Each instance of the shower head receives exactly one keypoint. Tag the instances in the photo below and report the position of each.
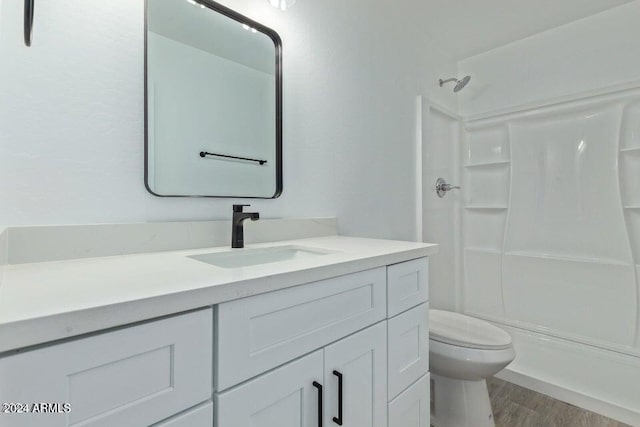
(460, 84)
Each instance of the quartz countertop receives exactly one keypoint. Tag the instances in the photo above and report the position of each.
(47, 301)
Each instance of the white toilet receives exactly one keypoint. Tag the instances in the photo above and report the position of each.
(463, 352)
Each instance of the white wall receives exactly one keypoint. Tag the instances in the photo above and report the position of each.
(71, 114)
(440, 216)
(586, 55)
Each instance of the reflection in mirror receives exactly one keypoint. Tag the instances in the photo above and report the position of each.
(213, 102)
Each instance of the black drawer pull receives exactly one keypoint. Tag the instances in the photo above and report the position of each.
(338, 419)
(29, 6)
(319, 387)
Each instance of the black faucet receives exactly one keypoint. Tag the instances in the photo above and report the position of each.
(237, 228)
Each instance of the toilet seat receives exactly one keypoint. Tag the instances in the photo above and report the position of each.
(464, 331)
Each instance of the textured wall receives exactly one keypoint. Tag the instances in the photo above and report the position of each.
(71, 114)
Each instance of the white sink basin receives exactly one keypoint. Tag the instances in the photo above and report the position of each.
(248, 257)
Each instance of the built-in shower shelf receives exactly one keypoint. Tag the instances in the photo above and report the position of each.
(486, 207)
(567, 258)
(632, 207)
(632, 150)
(484, 250)
(497, 164)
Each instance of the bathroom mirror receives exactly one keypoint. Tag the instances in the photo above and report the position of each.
(213, 102)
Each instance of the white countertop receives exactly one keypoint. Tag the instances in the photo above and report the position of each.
(47, 301)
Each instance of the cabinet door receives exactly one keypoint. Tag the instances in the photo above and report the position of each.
(412, 407)
(285, 397)
(129, 377)
(408, 348)
(361, 360)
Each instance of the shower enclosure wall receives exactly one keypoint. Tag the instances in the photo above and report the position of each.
(544, 240)
(551, 242)
(548, 216)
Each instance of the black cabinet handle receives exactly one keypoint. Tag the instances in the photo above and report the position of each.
(319, 387)
(29, 6)
(338, 419)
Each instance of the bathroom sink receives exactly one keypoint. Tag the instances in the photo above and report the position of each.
(248, 257)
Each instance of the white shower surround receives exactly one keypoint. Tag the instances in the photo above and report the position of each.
(551, 245)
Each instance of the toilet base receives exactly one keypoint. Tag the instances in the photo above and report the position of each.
(460, 403)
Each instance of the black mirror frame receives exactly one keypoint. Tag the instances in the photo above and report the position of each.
(277, 41)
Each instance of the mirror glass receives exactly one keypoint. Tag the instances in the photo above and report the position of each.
(213, 102)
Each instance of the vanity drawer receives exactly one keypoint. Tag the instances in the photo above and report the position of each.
(129, 377)
(408, 357)
(200, 416)
(413, 407)
(408, 285)
(258, 333)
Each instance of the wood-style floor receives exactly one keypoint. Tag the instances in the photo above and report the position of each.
(515, 406)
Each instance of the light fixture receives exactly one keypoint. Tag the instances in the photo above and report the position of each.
(282, 4)
(195, 3)
(248, 28)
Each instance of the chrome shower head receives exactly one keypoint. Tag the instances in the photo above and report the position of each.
(460, 84)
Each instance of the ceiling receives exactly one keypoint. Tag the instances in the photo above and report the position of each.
(469, 27)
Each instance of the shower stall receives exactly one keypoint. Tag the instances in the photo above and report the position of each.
(543, 239)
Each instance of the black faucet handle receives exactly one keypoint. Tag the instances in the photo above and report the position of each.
(238, 208)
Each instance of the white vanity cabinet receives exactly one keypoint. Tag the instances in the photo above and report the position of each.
(350, 351)
(333, 318)
(412, 407)
(285, 397)
(347, 351)
(408, 344)
(302, 392)
(261, 332)
(408, 348)
(130, 377)
(361, 361)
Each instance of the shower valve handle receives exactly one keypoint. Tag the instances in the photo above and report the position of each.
(442, 187)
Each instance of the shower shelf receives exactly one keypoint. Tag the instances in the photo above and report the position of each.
(567, 258)
(486, 207)
(632, 150)
(632, 207)
(495, 164)
(484, 250)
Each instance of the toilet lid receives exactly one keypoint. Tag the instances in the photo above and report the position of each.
(464, 331)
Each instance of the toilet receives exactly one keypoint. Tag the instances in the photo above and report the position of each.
(463, 352)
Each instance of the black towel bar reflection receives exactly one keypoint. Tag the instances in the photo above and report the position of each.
(247, 159)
